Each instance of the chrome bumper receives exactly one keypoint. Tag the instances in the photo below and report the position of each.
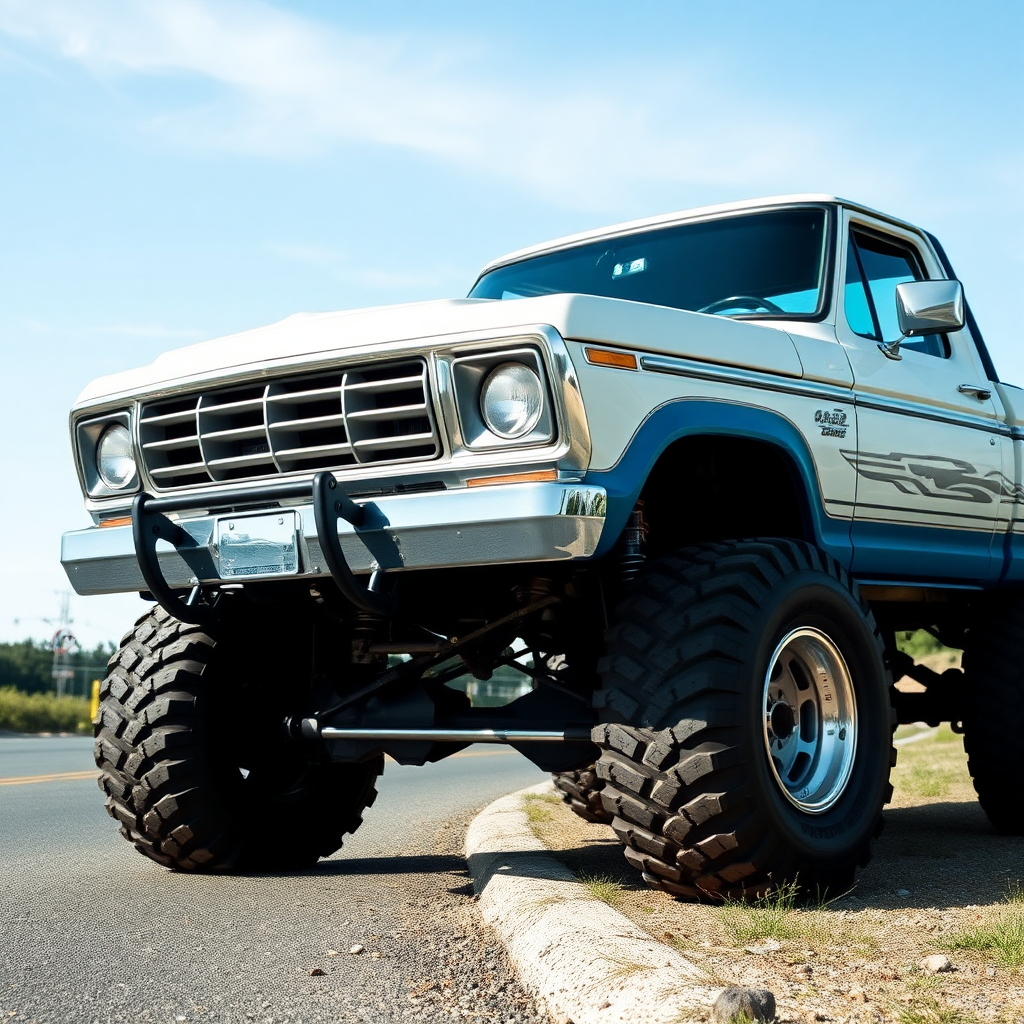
(538, 522)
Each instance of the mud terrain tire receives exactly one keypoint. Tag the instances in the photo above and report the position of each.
(994, 711)
(581, 790)
(704, 649)
(193, 760)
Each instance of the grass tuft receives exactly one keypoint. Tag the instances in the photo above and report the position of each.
(1000, 933)
(601, 887)
(929, 1010)
(533, 806)
(535, 813)
(766, 917)
(777, 915)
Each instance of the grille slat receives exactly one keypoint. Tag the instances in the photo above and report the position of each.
(187, 416)
(312, 453)
(342, 419)
(191, 467)
(240, 460)
(217, 408)
(304, 397)
(240, 433)
(400, 412)
(336, 419)
(403, 441)
(172, 443)
(383, 386)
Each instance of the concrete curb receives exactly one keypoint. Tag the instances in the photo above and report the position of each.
(580, 958)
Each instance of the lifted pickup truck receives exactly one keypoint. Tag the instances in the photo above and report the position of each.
(688, 476)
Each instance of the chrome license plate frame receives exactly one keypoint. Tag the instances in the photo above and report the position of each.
(257, 546)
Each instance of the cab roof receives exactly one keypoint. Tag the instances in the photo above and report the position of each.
(698, 213)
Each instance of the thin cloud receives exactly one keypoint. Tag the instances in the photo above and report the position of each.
(285, 86)
(36, 326)
(145, 331)
(345, 267)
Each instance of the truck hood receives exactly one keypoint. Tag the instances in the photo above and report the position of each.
(315, 337)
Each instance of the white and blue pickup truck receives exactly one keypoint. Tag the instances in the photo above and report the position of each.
(687, 477)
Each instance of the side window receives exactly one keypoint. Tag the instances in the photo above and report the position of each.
(858, 308)
(874, 266)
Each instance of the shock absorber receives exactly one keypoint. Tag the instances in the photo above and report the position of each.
(634, 538)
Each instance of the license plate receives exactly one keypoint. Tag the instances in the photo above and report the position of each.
(263, 545)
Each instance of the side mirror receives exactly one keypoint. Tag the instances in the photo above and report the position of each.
(929, 307)
(926, 307)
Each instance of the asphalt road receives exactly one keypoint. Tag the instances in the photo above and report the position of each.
(91, 931)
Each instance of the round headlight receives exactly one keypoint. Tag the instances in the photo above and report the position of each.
(511, 400)
(115, 460)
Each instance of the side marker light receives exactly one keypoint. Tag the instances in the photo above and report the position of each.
(620, 360)
(514, 478)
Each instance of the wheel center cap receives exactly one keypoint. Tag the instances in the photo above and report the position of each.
(782, 720)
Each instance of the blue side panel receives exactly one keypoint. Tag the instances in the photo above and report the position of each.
(896, 553)
(625, 480)
(1013, 559)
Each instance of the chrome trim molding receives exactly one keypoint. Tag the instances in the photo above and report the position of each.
(963, 419)
(738, 375)
(826, 392)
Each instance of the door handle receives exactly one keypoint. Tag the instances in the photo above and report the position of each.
(980, 393)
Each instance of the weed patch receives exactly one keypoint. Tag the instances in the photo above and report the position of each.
(601, 887)
(535, 809)
(928, 1010)
(767, 917)
(1000, 933)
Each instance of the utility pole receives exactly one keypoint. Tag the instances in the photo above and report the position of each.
(64, 645)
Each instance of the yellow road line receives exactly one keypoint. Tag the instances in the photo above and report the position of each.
(25, 780)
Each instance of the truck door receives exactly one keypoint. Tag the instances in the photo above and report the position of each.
(930, 484)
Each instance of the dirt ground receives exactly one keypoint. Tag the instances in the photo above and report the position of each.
(940, 882)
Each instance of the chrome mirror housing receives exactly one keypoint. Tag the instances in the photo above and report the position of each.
(929, 307)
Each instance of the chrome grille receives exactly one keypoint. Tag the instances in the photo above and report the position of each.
(365, 415)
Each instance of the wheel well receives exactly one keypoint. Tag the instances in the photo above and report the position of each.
(715, 488)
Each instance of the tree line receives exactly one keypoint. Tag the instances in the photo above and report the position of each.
(27, 666)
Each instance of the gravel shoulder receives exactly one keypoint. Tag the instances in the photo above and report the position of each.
(941, 883)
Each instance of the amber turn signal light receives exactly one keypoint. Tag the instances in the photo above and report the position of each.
(620, 360)
(514, 478)
(119, 521)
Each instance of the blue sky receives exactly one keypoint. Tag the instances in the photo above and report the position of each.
(180, 169)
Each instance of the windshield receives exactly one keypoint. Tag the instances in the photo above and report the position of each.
(760, 264)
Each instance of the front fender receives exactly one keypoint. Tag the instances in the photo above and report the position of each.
(693, 417)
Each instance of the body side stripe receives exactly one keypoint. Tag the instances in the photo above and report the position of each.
(828, 392)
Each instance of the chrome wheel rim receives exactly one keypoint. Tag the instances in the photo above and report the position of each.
(810, 720)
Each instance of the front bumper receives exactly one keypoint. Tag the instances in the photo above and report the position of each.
(526, 522)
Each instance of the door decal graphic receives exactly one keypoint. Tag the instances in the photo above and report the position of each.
(935, 476)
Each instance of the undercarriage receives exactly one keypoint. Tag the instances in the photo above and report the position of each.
(728, 708)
